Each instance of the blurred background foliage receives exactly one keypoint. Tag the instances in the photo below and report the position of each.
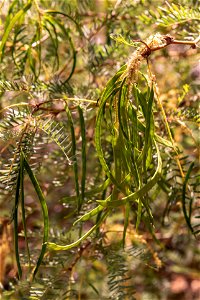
(54, 50)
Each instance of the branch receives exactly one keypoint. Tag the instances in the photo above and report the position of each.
(158, 42)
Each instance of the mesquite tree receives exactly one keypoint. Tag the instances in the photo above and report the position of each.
(92, 164)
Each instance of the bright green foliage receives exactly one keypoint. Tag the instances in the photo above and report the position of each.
(173, 15)
(84, 127)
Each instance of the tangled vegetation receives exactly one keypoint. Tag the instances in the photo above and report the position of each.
(99, 149)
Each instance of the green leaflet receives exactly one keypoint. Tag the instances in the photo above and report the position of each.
(75, 164)
(74, 61)
(120, 39)
(122, 109)
(15, 217)
(187, 217)
(55, 12)
(23, 206)
(149, 131)
(111, 89)
(32, 59)
(90, 214)
(53, 36)
(55, 247)
(67, 35)
(83, 154)
(111, 82)
(163, 141)
(44, 213)
(142, 101)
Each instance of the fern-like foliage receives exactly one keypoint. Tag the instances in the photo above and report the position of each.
(83, 131)
(8, 85)
(173, 15)
(12, 129)
(21, 131)
(171, 183)
(119, 282)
